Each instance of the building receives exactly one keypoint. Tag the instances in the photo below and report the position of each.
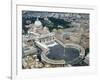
(41, 34)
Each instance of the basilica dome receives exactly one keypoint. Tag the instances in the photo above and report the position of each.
(37, 23)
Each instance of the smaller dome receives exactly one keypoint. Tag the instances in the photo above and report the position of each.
(54, 30)
(45, 28)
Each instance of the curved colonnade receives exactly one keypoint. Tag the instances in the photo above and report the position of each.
(68, 45)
